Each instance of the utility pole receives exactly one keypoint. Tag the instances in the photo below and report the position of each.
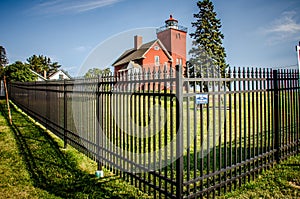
(3, 62)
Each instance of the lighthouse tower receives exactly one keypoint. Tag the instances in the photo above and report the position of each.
(173, 37)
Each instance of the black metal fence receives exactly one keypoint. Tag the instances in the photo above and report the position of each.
(174, 136)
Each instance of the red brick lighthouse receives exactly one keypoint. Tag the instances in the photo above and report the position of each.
(168, 49)
(173, 38)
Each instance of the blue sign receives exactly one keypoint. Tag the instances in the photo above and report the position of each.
(202, 99)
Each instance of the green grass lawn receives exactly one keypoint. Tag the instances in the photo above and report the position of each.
(281, 182)
(33, 164)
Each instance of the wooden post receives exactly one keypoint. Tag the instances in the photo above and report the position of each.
(7, 101)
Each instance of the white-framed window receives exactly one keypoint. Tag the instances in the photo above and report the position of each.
(156, 60)
(177, 61)
(156, 47)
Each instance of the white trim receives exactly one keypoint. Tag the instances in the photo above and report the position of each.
(39, 76)
(162, 47)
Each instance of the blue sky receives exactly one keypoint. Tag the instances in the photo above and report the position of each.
(72, 32)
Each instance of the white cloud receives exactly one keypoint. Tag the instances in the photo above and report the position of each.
(285, 24)
(81, 48)
(90, 5)
(284, 28)
(70, 6)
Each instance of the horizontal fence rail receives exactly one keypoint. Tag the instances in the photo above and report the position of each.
(174, 136)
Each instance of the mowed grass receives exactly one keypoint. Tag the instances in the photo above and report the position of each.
(280, 182)
(33, 164)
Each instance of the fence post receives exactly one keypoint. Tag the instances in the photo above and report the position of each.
(99, 172)
(276, 116)
(65, 116)
(179, 136)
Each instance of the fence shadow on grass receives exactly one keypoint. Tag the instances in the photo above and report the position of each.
(57, 171)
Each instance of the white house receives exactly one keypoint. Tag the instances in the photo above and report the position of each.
(59, 75)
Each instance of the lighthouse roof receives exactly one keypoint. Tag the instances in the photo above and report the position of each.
(171, 19)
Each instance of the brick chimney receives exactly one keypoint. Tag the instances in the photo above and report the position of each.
(138, 41)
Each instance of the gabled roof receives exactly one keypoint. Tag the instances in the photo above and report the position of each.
(131, 66)
(38, 75)
(136, 54)
(59, 71)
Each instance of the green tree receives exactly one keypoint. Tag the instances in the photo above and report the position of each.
(19, 72)
(207, 54)
(3, 61)
(42, 65)
(94, 72)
